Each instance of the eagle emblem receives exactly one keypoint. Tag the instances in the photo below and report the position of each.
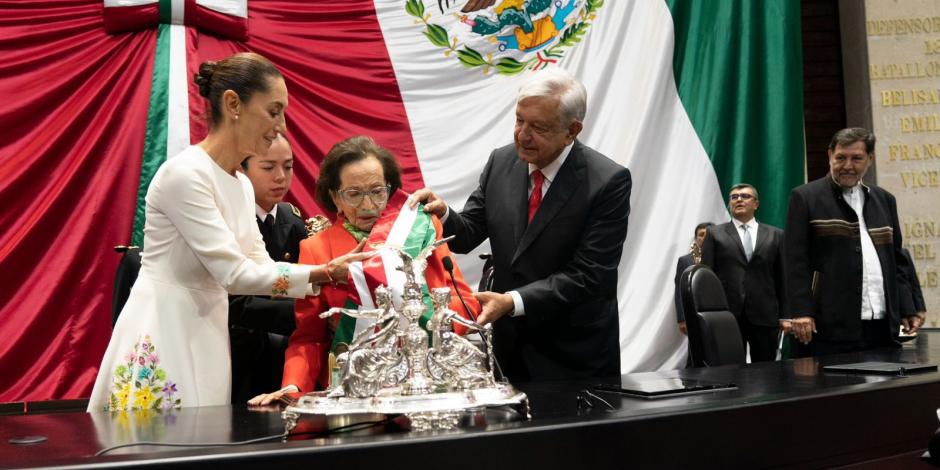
(505, 36)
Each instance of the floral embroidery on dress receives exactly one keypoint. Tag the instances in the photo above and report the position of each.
(140, 383)
(280, 286)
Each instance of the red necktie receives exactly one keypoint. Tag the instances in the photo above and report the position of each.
(536, 198)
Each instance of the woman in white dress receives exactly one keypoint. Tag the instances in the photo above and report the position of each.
(170, 346)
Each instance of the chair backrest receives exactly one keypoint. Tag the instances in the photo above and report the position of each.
(486, 280)
(714, 336)
(124, 279)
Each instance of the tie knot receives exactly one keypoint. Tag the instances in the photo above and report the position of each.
(269, 220)
(537, 177)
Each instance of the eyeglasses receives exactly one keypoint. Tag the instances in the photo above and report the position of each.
(354, 197)
(744, 196)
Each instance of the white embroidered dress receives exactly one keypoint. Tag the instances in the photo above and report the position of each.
(170, 346)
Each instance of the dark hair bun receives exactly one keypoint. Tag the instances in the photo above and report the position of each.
(204, 77)
(245, 73)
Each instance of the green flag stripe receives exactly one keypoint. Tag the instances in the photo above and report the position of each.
(165, 11)
(422, 234)
(346, 327)
(738, 70)
(156, 134)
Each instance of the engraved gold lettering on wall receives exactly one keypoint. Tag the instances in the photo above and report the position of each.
(907, 152)
(904, 72)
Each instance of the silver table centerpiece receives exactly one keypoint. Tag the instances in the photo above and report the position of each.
(396, 367)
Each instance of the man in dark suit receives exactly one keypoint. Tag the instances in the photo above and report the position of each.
(555, 212)
(845, 270)
(684, 262)
(748, 259)
(259, 326)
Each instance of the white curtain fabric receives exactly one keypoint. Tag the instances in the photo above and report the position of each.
(459, 114)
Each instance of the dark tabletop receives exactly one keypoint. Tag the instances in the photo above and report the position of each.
(782, 414)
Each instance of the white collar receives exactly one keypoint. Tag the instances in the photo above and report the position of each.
(552, 168)
(262, 214)
(853, 190)
(751, 224)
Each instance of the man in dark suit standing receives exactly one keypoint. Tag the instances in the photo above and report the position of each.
(555, 212)
(684, 262)
(845, 269)
(748, 258)
(259, 326)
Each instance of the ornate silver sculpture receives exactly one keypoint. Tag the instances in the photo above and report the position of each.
(396, 367)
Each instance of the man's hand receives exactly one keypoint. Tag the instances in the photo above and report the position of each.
(494, 306)
(803, 328)
(683, 328)
(432, 203)
(786, 325)
(911, 324)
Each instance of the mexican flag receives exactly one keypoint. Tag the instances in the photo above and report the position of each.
(692, 96)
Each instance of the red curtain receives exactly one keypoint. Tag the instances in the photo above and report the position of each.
(73, 108)
(71, 101)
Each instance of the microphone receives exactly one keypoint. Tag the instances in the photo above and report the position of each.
(449, 266)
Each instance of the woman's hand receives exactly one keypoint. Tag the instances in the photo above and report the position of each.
(337, 270)
(273, 397)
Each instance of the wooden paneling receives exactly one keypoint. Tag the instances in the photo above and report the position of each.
(823, 87)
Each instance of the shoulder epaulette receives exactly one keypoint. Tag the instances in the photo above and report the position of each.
(295, 210)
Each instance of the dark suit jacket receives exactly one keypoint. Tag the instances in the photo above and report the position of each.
(824, 258)
(563, 264)
(257, 356)
(917, 295)
(756, 289)
(684, 262)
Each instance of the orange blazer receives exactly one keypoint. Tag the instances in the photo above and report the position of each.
(305, 361)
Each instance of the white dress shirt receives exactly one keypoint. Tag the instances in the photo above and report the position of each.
(873, 292)
(262, 214)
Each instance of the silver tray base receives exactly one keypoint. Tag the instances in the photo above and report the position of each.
(426, 412)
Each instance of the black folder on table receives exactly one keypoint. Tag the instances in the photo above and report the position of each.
(664, 388)
(881, 368)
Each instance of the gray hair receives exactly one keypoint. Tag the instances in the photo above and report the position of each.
(849, 136)
(559, 83)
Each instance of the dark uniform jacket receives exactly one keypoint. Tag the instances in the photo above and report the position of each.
(824, 258)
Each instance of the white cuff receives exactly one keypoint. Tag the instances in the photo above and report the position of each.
(446, 213)
(297, 278)
(519, 308)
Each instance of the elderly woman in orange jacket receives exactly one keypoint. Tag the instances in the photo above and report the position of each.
(357, 178)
